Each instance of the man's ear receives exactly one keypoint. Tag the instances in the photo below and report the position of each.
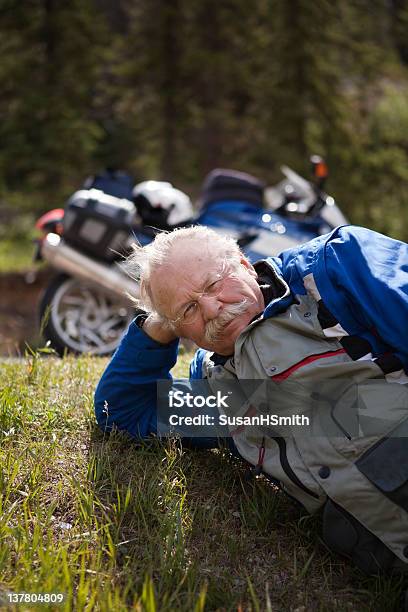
(247, 264)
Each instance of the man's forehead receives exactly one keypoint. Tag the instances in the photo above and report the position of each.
(191, 260)
(203, 252)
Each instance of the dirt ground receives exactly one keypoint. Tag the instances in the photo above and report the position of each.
(20, 293)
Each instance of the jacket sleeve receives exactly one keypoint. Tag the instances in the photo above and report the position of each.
(126, 394)
(367, 281)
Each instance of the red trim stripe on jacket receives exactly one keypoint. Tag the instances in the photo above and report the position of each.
(300, 364)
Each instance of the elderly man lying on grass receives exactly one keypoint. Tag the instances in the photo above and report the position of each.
(334, 309)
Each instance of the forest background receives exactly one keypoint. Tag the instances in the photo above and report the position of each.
(170, 90)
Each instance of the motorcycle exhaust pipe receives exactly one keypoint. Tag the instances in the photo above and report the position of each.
(76, 264)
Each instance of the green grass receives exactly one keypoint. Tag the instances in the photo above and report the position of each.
(16, 241)
(17, 236)
(16, 255)
(118, 526)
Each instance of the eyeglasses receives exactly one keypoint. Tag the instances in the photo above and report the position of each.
(189, 311)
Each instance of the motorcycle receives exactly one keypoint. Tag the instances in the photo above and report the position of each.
(88, 305)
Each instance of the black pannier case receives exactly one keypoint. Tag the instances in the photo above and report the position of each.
(99, 224)
(223, 184)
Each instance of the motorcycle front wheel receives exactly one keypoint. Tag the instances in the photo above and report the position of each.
(77, 317)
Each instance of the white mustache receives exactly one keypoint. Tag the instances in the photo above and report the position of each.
(215, 327)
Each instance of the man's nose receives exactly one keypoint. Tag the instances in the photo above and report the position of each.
(210, 307)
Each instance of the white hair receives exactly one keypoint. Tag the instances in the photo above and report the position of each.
(145, 260)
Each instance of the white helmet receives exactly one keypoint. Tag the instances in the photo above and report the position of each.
(164, 201)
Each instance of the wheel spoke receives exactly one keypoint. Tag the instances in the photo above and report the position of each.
(85, 332)
(89, 297)
(107, 325)
(73, 300)
(103, 305)
(68, 318)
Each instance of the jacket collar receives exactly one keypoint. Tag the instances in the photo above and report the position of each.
(276, 291)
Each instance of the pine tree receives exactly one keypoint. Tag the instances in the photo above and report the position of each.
(306, 109)
(50, 71)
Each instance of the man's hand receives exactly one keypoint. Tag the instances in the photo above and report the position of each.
(158, 330)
